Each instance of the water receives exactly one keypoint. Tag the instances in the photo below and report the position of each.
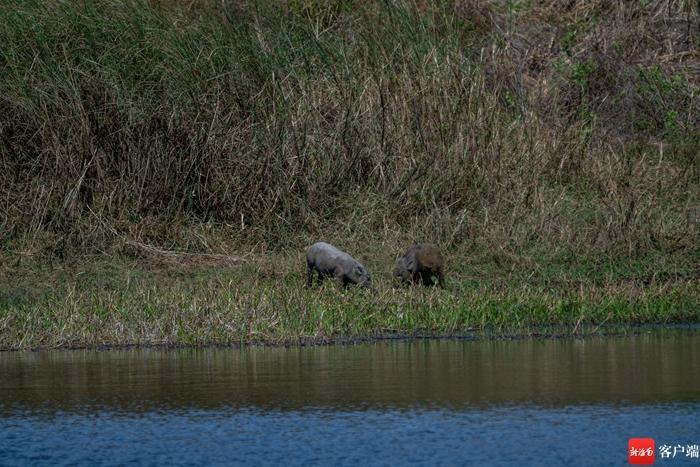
(425, 402)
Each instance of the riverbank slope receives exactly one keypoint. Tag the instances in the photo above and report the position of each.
(164, 164)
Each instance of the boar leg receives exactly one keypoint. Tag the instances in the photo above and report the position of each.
(309, 275)
(441, 278)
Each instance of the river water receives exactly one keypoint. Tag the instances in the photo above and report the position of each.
(421, 402)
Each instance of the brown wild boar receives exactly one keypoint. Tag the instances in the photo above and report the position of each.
(419, 264)
(329, 261)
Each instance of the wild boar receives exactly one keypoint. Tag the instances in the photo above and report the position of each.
(329, 261)
(419, 264)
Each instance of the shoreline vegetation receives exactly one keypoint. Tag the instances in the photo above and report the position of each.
(165, 164)
(103, 303)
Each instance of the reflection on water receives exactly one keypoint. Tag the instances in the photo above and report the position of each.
(425, 402)
(654, 367)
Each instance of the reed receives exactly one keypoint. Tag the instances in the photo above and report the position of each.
(211, 125)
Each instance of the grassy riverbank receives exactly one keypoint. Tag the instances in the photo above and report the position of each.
(551, 150)
(212, 126)
(194, 301)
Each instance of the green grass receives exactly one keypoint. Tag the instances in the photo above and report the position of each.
(122, 302)
(550, 153)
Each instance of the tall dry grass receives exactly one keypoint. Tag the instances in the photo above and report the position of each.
(506, 124)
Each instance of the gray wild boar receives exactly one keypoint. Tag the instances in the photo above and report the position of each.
(419, 264)
(329, 261)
